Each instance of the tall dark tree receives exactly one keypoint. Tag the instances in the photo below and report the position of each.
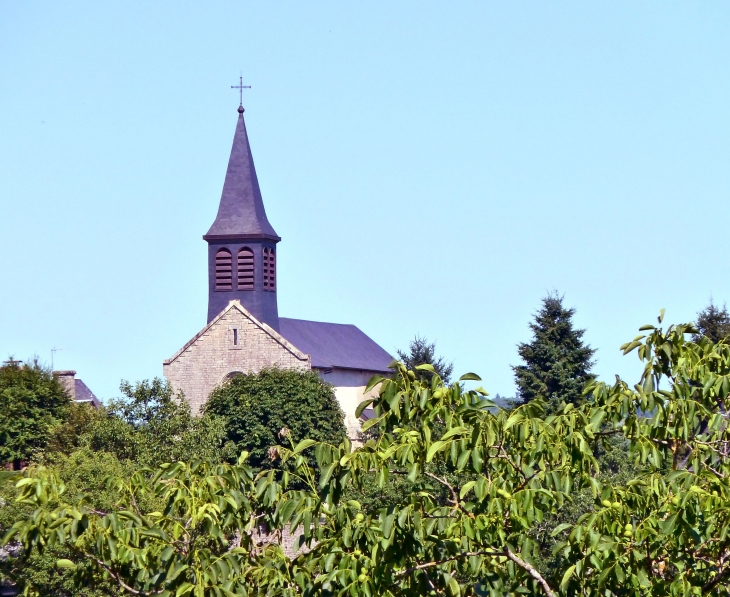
(713, 323)
(32, 404)
(421, 352)
(557, 364)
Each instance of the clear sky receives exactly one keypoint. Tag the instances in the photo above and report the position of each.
(432, 168)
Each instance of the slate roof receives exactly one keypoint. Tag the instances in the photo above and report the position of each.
(241, 213)
(335, 345)
(84, 394)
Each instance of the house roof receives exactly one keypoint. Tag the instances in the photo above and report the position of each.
(241, 213)
(84, 394)
(335, 345)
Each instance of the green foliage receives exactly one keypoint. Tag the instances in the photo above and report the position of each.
(557, 363)
(257, 407)
(152, 425)
(421, 352)
(73, 433)
(713, 323)
(84, 475)
(487, 481)
(32, 404)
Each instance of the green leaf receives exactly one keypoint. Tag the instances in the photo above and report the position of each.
(65, 564)
(466, 489)
(566, 577)
(362, 406)
(303, 445)
(453, 587)
(461, 430)
(560, 528)
(372, 422)
(470, 377)
(425, 367)
(435, 447)
(327, 473)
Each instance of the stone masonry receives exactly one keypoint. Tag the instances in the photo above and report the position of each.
(233, 342)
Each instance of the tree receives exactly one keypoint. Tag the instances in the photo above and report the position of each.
(713, 323)
(557, 363)
(421, 352)
(663, 533)
(84, 474)
(151, 425)
(32, 404)
(257, 407)
(148, 426)
(82, 420)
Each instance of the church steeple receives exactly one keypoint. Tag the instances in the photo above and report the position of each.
(241, 241)
(241, 212)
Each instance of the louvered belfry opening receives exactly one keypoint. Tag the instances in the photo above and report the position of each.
(223, 270)
(269, 269)
(245, 269)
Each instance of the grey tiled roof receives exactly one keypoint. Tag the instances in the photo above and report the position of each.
(241, 211)
(84, 394)
(335, 345)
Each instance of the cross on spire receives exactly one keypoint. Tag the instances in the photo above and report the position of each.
(240, 88)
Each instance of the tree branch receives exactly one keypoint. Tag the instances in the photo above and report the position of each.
(121, 583)
(532, 572)
(721, 574)
(454, 495)
(506, 553)
(467, 554)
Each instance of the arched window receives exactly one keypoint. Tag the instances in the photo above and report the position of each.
(223, 270)
(245, 269)
(269, 269)
(231, 375)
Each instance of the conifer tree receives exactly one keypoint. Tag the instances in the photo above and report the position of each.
(713, 323)
(423, 352)
(557, 364)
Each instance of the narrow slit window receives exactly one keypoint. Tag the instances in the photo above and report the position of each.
(269, 269)
(235, 337)
(245, 269)
(223, 270)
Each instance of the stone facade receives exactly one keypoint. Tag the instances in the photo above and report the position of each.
(233, 342)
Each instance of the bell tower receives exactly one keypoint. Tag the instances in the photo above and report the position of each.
(241, 242)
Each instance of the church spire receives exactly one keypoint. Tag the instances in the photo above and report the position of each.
(241, 242)
(241, 213)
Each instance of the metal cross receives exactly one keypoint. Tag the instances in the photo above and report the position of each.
(240, 88)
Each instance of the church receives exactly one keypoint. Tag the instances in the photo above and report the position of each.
(244, 333)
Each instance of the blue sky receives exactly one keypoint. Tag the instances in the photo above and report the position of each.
(432, 168)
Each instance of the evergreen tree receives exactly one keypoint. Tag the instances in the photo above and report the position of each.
(713, 323)
(421, 352)
(32, 404)
(557, 364)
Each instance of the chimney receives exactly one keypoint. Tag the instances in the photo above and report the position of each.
(67, 379)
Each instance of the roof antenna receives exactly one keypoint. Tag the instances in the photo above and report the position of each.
(240, 88)
(54, 350)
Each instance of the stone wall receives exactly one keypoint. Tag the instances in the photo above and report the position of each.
(234, 342)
